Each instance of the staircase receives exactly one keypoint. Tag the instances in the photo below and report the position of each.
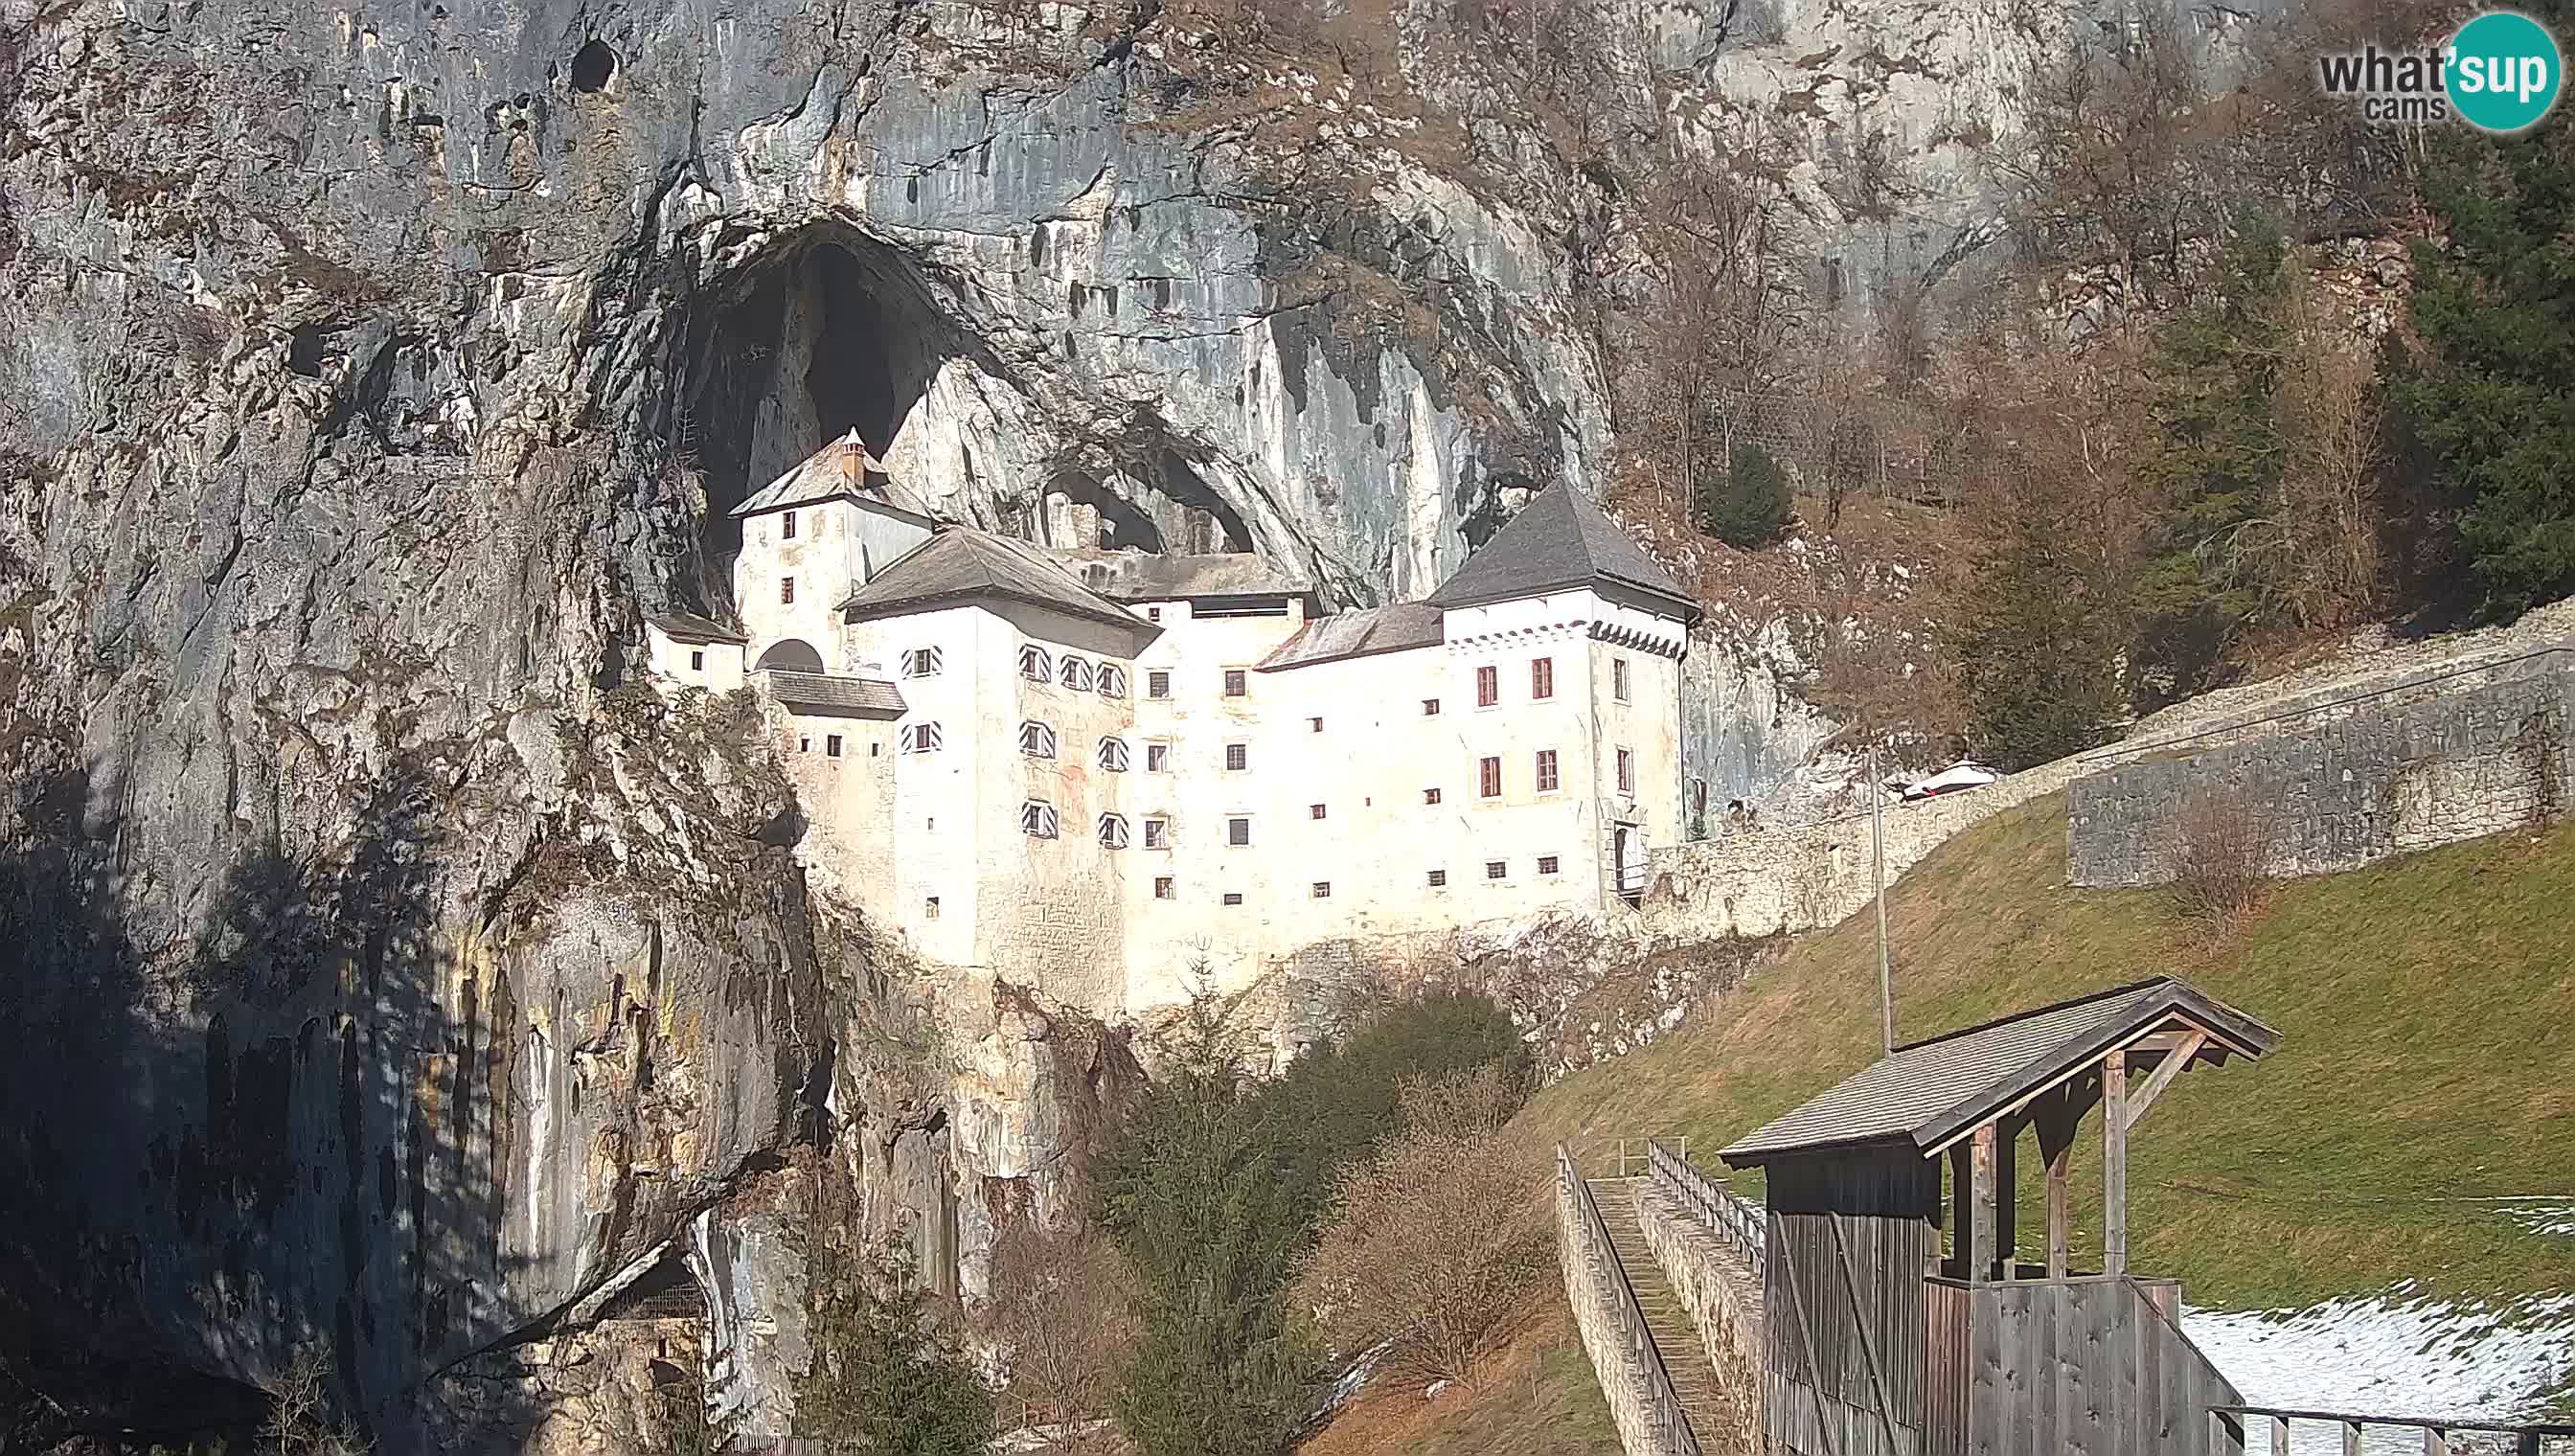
(1675, 1339)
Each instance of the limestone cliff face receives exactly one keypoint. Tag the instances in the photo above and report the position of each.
(395, 980)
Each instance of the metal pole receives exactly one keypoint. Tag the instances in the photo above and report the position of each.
(1877, 875)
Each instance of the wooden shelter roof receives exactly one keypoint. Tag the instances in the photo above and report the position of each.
(1922, 1096)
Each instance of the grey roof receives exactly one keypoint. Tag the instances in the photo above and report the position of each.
(1357, 634)
(1922, 1096)
(1140, 576)
(689, 626)
(959, 564)
(840, 470)
(824, 694)
(1560, 539)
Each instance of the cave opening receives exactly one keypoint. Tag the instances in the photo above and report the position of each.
(592, 66)
(826, 333)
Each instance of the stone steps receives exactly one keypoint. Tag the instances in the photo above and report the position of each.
(1666, 1320)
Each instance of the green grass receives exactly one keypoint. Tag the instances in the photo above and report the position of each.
(2427, 1015)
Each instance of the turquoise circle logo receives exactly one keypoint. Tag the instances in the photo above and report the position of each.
(2502, 71)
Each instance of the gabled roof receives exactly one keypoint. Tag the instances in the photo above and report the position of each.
(1140, 576)
(1559, 540)
(1357, 634)
(840, 470)
(1922, 1095)
(958, 563)
(688, 626)
(825, 693)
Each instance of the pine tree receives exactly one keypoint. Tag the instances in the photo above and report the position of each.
(2040, 634)
(1749, 504)
(883, 1380)
(2216, 371)
(2495, 309)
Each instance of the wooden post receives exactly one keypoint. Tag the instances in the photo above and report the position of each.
(1962, 1211)
(2114, 1162)
(2351, 1438)
(1980, 1264)
(2279, 1436)
(2006, 1195)
(2057, 1146)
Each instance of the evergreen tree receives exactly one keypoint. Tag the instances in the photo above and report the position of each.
(1201, 1195)
(2495, 309)
(2216, 373)
(883, 1380)
(2040, 634)
(1749, 504)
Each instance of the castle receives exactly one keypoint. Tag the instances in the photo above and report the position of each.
(1109, 775)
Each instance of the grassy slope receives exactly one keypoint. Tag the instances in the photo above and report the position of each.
(2427, 1012)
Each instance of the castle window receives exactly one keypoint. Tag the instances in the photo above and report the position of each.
(1313, 725)
(1237, 757)
(1158, 685)
(1314, 811)
(1495, 868)
(1112, 755)
(1235, 685)
(1152, 613)
(1036, 740)
(1233, 897)
(1112, 832)
(787, 591)
(1077, 673)
(929, 909)
(804, 745)
(1547, 865)
(832, 746)
(1546, 771)
(1158, 757)
(1112, 681)
(1489, 776)
(1440, 880)
(1626, 772)
(923, 663)
(787, 526)
(1323, 889)
(1488, 687)
(919, 738)
(696, 661)
(1431, 707)
(1157, 833)
(1035, 664)
(1163, 887)
(1037, 819)
(1238, 831)
(1430, 795)
(1618, 679)
(1541, 677)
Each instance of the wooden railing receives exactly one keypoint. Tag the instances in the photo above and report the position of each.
(1663, 1404)
(1734, 1218)
(2245, 1423)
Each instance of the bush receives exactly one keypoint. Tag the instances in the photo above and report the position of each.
(2220, 859)
(1749, 504)
(1432, 1244)
(1061, 1317)
(885, 1378)
(302, 1417)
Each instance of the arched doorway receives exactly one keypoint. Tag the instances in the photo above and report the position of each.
(790, 654)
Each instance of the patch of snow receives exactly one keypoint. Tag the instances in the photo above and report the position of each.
(1432, 1391)
(2399, 1354)
(2556, 1220)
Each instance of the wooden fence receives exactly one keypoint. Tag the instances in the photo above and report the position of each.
(2251, 1423)
(1663, 1404)
(1737, 1220)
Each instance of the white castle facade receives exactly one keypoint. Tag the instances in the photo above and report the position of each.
(1110, 773)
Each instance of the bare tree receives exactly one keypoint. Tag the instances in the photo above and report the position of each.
(1062, 1323)
(303, 1419)
(2220, 858)
(1433, 1240)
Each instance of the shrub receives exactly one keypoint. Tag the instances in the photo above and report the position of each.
(1749, 504)
(1432, 1244)
(2220, 860)
(302, 1418)
(1061, 1317)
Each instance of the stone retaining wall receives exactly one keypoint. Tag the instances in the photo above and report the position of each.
(2360, 778)
(1724, 1298)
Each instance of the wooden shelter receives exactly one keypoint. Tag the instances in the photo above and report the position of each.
(1879, 1344)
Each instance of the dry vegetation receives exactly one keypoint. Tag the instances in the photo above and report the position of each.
(2221, 858)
